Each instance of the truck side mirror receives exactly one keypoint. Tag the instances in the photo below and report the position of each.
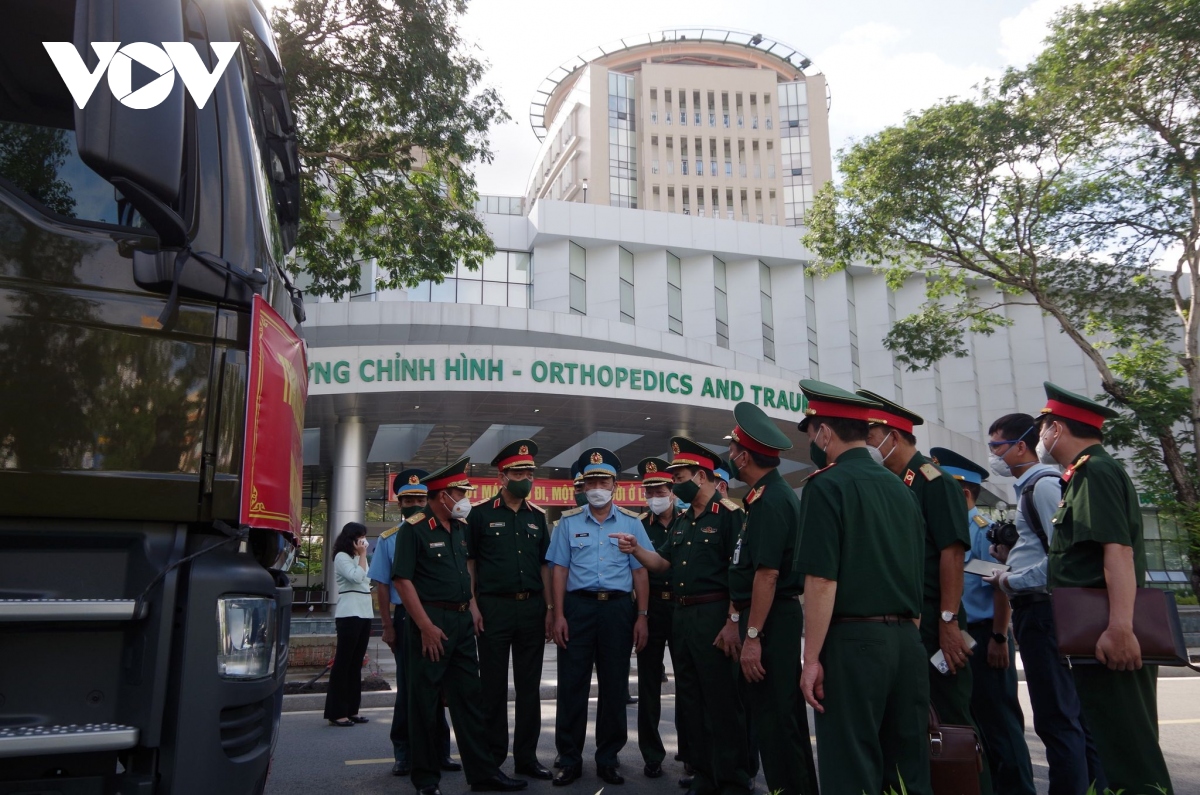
(139, 150)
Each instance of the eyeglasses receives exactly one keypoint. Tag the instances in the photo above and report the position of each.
(993, 446)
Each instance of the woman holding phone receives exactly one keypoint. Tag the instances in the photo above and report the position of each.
(353, 618)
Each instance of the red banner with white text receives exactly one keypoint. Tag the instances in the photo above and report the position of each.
(550, 492)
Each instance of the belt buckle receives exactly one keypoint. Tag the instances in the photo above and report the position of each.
(521, 597)
(462, 608)
(666, 595)
(601, 596)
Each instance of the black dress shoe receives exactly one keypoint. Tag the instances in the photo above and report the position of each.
(557, 760)
(450, 765)
(499, 783)
(433, 790)
(401, 769)
(568, 775)
(610, 774)
(678, 757)
(631, 700)
(534, 770)
(686, 782)
(652, 770)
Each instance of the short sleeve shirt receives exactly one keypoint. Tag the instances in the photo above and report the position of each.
(977, 594)
(592, 559)
(945, 510)
(434, 559)
(1099, 506)
(768, 539)
(380, 569)
(700, 548)
(658, 533)
(864, 530)
(508, 547)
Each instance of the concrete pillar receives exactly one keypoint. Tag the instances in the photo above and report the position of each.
(348, 487)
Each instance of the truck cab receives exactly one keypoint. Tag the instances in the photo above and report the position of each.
(143, 623)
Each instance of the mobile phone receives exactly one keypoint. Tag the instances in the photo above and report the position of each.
(938, 660)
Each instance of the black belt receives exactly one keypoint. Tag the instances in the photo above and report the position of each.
(601, 596)
(742, 604)
(666, 596)
(454, 607)
(702, 598)
(983, 622)
(890, 618)
(1024, 600)
(519, 596)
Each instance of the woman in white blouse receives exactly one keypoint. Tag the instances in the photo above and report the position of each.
(353, 618)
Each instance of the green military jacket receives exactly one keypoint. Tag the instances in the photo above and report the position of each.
(768, 539)
(658, 535)
(1099, 506)
(508, 547)
(945, 511)
(700, 548)
(864, 530)
(435, 559)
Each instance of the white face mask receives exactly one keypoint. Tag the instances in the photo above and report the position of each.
(877, 454)
(598, 498)
(1044, 453)
(999, 466)
(461, 508)
(659, 505)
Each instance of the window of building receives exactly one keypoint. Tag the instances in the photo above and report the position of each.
(622, 141)
(795, 151)
(626, 271)
(674, 295)
(722, 301)
(578, 288)
(810, 320)
(768, 313)
(897, 374)
(855, 373)
(504, 280)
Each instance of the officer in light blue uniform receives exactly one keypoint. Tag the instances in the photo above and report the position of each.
(411, 494)
(994, 701)
(593, 585)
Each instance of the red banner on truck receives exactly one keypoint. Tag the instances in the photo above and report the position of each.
(273, 460)
(548, 492)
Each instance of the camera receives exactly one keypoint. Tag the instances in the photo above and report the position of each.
(1003, 533)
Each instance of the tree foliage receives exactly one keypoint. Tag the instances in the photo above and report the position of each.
(391, 118)
(1058, 186)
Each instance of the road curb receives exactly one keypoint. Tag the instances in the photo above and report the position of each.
(372, 699)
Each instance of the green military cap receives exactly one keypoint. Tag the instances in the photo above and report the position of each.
(958, 466)
(518, 455)
(891, 414)
(451, 476)
(653, 472)
(827, 400)
(1062, 403)
(577, 473)
(686, 453)
(756, 431)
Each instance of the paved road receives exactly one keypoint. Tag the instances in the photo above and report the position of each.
(313, 757)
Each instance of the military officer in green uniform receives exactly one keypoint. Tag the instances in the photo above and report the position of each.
(509, 539)
(764, 591)
(943, 620)
(657, 520)
(1098, 543)
(705, 640)
(431, 574)
(862, 556)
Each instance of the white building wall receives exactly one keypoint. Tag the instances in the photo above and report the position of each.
(699, 298)
(791, 331)
(874, 361)
(745, 307)
(604, 282)
(833, 343)
(920, 387)
(551, 276)
(650, 289)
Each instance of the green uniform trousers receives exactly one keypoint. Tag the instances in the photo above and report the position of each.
(875, 728)
(649, 679)
(776, 707)
(519, 627)
(456, 675)
(997, 710)
(950, 694)
(706, 693)
(1120, 709)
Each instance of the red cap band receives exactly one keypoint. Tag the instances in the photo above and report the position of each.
(742, 438)
(1073, 413)
(881, 417)
(692, 460)
(524, 461)
(458, 480)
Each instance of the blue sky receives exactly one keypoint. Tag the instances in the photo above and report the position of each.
(881, 58)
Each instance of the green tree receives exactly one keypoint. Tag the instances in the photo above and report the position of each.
(390, 119)
(1058, 187)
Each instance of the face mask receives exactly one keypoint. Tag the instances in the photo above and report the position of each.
(686, 491)
(580, 499)
(818, 455)
(659, 505)
(877, 454)
(734, 469)
(411, 510)
(1045, 453)
(999, 466)
(461, 508)
(519, 488)
(598, 498)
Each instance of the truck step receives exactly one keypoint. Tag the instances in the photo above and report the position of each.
(14, 610)
(72, 739)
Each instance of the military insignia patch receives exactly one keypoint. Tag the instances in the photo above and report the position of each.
(729, 504)
(930, 471)
(1070, 473)
(909, 477)
(413, 480)
(524, 450)
(415, 518)
(389, 532)
(709, 530)
(597, 458)
(754, 494)
(675, 447)
(980, 521)
(651, 467)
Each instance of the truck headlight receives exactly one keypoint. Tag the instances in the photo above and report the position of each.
(246, 637)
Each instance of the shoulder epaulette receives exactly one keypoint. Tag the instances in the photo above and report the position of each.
(979, 520)
(628, 512)
(642, 516)
(477, 504)
(391, 531)
(1066, 476)
(572, 512)
(730, 505)
(416, 518)
(930, 472)
(825, 468)
(537, 508)
(755, 494)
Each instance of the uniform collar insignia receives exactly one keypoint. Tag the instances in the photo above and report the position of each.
(755, 494)
(909, 477)
(1066, 476)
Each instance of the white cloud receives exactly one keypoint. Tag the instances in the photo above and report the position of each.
(1022, 35)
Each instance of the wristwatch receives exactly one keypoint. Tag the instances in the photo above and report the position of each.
(643, 612)
(996, 636)
(948, 617)
(735, 617)
(752, 633)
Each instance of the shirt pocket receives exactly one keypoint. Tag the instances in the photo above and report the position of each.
(437, 549)
(583, 538)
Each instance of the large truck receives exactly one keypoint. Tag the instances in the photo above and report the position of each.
(151, 396)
